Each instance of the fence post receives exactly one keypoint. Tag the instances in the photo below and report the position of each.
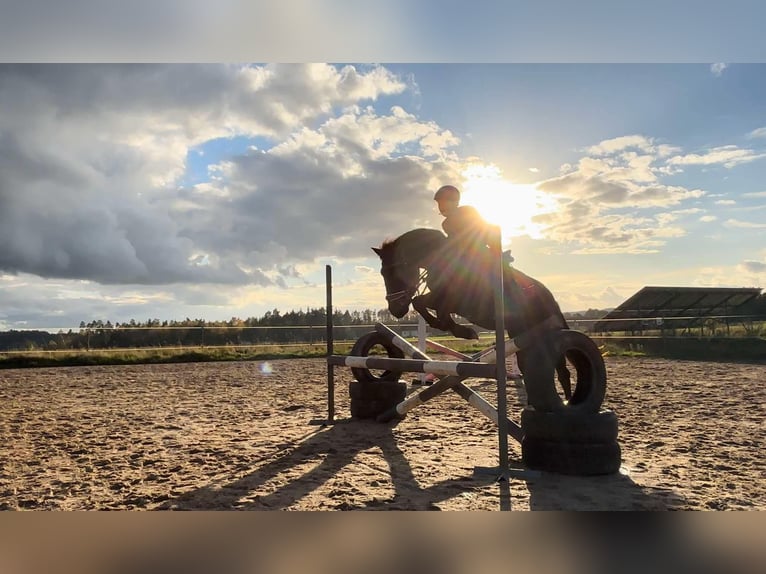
(330, 351)
(422, 342)
(501, 374)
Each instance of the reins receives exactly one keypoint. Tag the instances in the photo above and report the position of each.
(418, 289)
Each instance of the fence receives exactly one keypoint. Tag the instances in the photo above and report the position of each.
(287, 336)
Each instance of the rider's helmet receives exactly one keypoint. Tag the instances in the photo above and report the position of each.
(447, 192)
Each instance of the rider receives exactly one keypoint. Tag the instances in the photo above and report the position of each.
(467, 230)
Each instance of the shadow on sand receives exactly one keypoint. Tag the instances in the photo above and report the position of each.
(324, 452)
(618, 491)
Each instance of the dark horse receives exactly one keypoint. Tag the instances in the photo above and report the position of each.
(470, 295)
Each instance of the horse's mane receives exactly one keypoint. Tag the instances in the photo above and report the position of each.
(419, 234)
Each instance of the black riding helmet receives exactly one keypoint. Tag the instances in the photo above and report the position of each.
(447, 192)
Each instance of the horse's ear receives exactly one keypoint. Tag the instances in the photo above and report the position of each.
(376, 250)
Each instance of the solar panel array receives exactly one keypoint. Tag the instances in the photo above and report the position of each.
(676, 307)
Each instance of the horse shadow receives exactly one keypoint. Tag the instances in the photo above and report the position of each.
(324, 453)
(317, 459)
(550, 491)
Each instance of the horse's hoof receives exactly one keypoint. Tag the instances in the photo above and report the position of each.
(465, 332)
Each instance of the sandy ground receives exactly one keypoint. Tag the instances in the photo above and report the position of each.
(228, 436)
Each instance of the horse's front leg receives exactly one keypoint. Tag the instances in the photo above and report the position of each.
(443, 319)
(449, 324)
(421, 304)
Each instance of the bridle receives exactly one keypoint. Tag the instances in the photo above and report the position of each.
(408, 294)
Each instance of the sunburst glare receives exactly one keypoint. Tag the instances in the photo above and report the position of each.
(510, 205)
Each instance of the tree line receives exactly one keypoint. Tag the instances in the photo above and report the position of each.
(273, 327)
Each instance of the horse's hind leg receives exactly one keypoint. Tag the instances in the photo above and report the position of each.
(564, 376)
(562, 372)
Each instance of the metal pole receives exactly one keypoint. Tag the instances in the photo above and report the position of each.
(501, 376)
(330, 366)
(422, 342)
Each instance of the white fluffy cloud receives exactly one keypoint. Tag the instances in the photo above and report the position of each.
(335, 190)
(600, 195)
(744, 224)
(729, 156)
(620, 185)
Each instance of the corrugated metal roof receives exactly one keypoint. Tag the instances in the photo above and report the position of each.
(683, 306)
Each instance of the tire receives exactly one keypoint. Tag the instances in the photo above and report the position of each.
(582, 354)
(582, 459)
(366, 409)
(362, 348)
(368, 400)
(384, 391)
(568, 426)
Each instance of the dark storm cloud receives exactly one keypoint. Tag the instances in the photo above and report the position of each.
(91, 155)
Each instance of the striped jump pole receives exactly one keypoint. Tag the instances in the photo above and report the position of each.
(459, 368)
(455, 383)
(451, 382)
(446, 350)
(512, 346)
(487, 356)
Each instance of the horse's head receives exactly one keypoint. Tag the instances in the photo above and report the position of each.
(402, 278)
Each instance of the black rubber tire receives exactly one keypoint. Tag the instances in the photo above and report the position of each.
(581, 459)
(384, 391)
(568, 426)
(362, 348)
(366, 409)
(583, 354)
(368, 400)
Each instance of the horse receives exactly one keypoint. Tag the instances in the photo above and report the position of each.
(470, 295)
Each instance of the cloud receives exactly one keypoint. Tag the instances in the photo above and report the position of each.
(754, 266)
(96, 196)
(754, 194)
(111, 142)
(688, 211)
(726, 202)
(729, 156)
(324, 191)
(757, 133)
(616, 178)
(744, 224)
(717, 69)
(708, 218)
(621, 143)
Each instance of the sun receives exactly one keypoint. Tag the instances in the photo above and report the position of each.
(510, 205)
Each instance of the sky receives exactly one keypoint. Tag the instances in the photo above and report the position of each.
(212, 191)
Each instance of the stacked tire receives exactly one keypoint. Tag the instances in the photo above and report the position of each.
(373, 393)
(572, 436)
(577, 443)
